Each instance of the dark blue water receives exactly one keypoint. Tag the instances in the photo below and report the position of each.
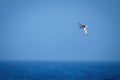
(59, 71)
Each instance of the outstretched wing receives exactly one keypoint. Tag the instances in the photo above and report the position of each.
(85, 31)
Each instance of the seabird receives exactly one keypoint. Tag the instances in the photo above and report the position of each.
(84, 27)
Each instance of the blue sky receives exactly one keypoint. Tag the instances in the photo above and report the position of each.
(48, 30)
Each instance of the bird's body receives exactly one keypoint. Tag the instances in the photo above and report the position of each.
(84, 27)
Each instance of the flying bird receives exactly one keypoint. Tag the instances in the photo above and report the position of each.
(84, 27)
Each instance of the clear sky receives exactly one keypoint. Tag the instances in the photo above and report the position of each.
(48, 30)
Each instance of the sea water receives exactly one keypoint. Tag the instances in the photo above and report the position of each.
(35, 70)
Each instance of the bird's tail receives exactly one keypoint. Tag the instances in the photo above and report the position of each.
(85, 31)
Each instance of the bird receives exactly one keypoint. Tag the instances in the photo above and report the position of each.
(84, 27)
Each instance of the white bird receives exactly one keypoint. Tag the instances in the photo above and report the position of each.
(84, 27)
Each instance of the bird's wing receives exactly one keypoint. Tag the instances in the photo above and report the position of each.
(85, 31)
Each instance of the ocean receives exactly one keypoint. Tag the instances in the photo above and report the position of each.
(36, 70)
